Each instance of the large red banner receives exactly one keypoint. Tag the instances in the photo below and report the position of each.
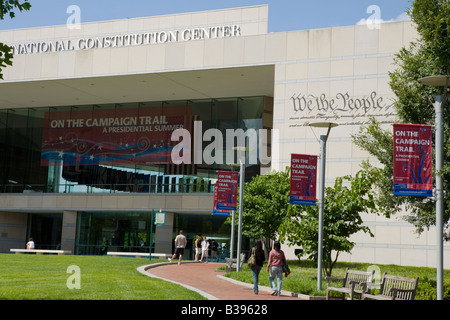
(225, 191)
(303, 179)
(118, 135)
(413, 160)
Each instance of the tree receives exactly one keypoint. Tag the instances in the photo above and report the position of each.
(429, 55)
(266, 199)
(342, 208)
(7, 8)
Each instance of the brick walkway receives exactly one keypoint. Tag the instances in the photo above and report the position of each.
(203, 278)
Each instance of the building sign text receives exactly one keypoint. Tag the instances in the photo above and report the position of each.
(126, 40)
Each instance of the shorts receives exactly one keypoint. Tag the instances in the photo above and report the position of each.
(198, 250)
(179, 251)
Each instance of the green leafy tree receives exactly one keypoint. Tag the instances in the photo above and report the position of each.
(7, 8)
(428, 55)
(266, 199)
(343, 205)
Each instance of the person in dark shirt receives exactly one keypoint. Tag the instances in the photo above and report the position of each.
(214, 250)
(260, 258)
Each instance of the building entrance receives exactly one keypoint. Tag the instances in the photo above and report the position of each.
(212, 227)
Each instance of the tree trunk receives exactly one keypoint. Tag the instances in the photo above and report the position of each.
(267, 247)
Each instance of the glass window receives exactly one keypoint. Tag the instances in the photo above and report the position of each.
(45, 229)
(101, 232)
(119, 147)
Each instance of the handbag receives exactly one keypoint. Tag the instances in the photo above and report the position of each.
(252, 259)
(286, 269)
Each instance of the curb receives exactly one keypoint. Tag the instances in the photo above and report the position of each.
(267, 289)
(143, 270)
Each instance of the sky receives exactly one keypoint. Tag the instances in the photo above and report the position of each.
(284, 15)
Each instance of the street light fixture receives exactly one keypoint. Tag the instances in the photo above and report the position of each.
(323, 146)
(241, 156)
(439, 81)
(233, 218)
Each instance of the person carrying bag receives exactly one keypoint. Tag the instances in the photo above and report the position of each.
(255, 262)
(251, 262)
(277, 261)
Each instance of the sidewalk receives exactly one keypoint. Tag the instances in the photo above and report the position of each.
(203, 278)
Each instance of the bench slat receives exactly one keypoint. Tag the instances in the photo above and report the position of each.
(139, 254)
(232, 263)
(40, 251)
(395, 288)
(354, 282)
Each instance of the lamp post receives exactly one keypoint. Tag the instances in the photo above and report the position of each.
(152, 219)
(233, 215)
(439, 81)
(241, 153)
(323, 146)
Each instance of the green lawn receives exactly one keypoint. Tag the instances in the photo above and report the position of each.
(44, 277)
(303, 277)
(29, 277)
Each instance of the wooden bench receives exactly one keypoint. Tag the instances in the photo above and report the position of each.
(40, 251)
(232, 263)
(139, 254)
(394, 288)
(354, 282)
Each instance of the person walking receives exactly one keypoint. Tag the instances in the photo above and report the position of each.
(205, 248)
(258, 251)
(275, 267)
(214, 250)
(198, 247)
(180, 244)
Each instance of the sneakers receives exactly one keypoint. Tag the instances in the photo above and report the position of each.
(170, 260)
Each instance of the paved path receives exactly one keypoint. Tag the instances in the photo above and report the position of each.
(203, 278)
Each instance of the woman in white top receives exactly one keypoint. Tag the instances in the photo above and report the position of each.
(30, 244)
(205, 247)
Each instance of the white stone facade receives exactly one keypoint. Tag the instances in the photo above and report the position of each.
(334, 74)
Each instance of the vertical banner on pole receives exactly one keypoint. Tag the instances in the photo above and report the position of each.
(413, 160)
(303, 179)
(218, 212)
(225, 192)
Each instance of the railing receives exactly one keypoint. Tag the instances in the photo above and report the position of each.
(102, 249)
(206, 187)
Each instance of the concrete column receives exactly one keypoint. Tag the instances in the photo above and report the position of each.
(69, 230)
(163, 235)
(13, 231)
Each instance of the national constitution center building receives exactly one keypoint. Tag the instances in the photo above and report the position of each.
(87, 117)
